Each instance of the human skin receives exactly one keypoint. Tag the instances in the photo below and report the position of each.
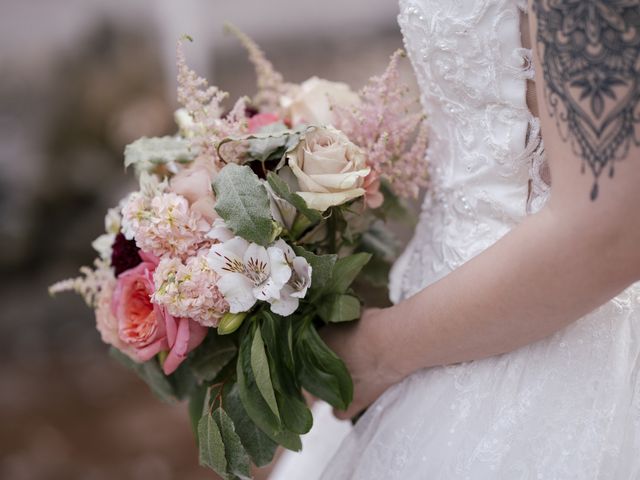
(555, 267)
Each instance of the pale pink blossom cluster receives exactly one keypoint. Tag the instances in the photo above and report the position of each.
(189, 289)
(394, 138)
(163, 224)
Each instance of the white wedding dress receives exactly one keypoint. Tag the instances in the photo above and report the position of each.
(567, 407)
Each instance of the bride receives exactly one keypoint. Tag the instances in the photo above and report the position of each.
(513, 348)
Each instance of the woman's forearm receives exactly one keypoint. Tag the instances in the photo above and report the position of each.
(548, 272)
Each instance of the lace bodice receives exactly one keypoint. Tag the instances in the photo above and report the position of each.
(484, 143)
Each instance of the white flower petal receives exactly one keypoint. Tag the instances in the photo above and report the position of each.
(322, 201)
(237, 290)
(219, 231)
(280, 269)
(228, 257)
(286, 304)
(302, 275)
(289, 254)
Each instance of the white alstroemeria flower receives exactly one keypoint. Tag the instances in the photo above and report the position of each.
(219, 231)
(297, 286)
(248, 272)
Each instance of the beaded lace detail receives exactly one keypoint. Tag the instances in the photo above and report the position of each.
(485, 148)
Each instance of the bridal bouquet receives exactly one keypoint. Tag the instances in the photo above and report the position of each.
(248, 233)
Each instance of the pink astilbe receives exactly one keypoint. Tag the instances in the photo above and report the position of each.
(394, 139)
(203, 103)
(189, 290)
(271, 86)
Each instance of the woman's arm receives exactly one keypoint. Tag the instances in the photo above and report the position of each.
(559, 264)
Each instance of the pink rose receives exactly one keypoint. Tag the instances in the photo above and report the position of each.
(146, 329)
(194, 184)
(262, 120)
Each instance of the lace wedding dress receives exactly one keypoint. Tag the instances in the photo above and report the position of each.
(567, 407)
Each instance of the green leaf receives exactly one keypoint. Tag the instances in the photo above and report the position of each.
(339, 308)
(270, 143)
(260, 367)
(346, 270)
(146, 154)
(151, 373)
(238, 463)
(196, 408)
(293, 409)
(243, 203)
(213, 355)
(255, 405)
(281, 189)
(211, 446)
(322, 267)
(260, 447)
(321, 372)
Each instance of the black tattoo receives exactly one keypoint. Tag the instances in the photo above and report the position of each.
(590, 52)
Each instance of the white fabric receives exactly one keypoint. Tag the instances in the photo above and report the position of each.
(567, 407)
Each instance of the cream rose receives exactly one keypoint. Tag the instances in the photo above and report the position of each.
(330, 169)
(312, 102)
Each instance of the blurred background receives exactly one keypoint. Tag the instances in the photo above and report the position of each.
(79, 79)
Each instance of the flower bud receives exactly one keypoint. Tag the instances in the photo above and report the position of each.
(230, 322)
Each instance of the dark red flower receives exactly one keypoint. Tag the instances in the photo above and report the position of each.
(125, 254)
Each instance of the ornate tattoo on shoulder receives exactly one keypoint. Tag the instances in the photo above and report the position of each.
(590, 51)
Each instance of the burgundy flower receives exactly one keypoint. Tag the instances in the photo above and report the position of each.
(125, 254)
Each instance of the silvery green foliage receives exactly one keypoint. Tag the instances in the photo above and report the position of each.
(147, 154)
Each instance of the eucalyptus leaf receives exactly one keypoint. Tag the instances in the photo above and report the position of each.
(339, 308)
(151, 373)
(270, 142)
(238, 463)
(260, 368)
(146, 154)
(211, 446)
(260, 447)
(243, 203)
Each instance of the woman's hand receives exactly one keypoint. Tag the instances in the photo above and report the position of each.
(359, 344)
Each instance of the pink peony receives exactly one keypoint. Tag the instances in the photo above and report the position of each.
(147, 329)
(262, 120)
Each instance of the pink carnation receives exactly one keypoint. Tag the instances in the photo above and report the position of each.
(190, 290)
(146, 329)
(164, 224)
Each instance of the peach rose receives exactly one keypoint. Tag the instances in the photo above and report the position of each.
(146, 329)
(330, 169)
